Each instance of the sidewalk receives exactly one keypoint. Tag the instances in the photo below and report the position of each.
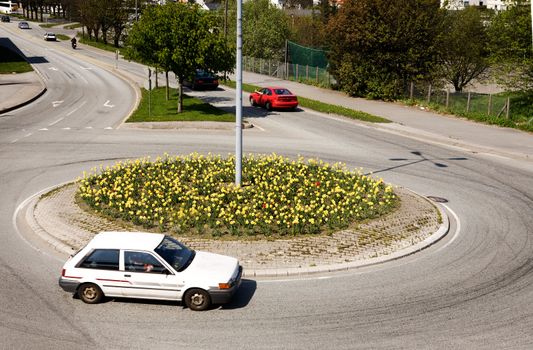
(417, 123)
(17, 90)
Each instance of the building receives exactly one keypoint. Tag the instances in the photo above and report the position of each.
(461, 4)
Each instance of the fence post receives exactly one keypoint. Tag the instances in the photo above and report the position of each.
(297, 75)
(507, 107)
(447, 98)
(489, 105)
(429, 93)
(468, 103)
(412, 90)
(269, 68)
(316, 74)
(307, 72)
(260, 66)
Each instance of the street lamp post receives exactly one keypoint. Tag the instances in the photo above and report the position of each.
(238, 99)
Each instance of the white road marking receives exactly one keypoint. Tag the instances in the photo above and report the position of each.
(43, 129)
(56, 103)
(86, 68)
(88, 127)
(27, 135)
(108, 128)
(106, 104)
(457, 230)
(75, 109)
(53, 68)
(15, 140)
(57, 121)
(260, 128)
(65, 128)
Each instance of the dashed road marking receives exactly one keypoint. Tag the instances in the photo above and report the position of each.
(57, 121)
(106, 104)
(77, 108)
(56, 103)
(67, 128)
(43, 129)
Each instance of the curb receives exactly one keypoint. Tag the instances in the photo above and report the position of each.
(28, 206)
(428, 242)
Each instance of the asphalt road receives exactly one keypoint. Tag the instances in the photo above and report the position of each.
(471, 291)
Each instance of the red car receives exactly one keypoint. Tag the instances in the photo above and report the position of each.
(274, 97)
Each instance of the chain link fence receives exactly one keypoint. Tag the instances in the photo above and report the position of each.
(494, 105)
(289, 71)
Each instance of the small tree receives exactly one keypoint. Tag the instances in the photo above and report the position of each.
(264, 28)
(464, 47)
(179, 38)
(510, 47)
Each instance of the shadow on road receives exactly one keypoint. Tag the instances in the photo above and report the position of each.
(421, 158)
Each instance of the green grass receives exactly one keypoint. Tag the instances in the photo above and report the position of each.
(98, 44)
(164, 111)
(63, 37)
(12, 62)
(73, 26)
(321, 106)
(520, 114)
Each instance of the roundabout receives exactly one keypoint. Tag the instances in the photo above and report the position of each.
(470, 290)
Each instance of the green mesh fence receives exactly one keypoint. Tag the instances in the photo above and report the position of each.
(306, 56)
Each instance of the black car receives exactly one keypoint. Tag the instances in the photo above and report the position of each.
(203, 80)
(5, 18)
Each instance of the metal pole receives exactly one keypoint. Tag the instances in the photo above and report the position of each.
(238, 99)
(136, 16)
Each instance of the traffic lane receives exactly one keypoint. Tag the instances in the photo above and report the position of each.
(460, 268)
(94, 98)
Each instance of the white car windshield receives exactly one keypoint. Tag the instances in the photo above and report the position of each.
(175, 253)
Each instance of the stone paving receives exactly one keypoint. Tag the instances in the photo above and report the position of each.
(414, 221)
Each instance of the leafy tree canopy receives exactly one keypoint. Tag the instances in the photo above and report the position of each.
(179, 38)
(464, 49)
(511, 47)
(264, 28)
(378, 46)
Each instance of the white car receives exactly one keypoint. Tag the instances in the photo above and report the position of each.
(49, 37)
(150, 266)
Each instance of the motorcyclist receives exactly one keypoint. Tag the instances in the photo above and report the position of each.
(73, 41)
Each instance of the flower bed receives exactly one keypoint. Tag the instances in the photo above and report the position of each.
(195, 194)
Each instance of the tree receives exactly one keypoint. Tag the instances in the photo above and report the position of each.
(464, 46)
(264, 29)
(308, 31)
(510, 47)
(378, 46)
(179, 38)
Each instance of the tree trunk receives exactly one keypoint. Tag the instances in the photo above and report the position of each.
(156, 80)
(180, 96)
(167, 87)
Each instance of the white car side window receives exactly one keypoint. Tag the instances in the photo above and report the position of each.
(142, 262)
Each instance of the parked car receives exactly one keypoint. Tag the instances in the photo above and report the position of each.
(150, 266)
(5, 18)
(202, 80)
(49, 37)
(274, 97)
(24, 25)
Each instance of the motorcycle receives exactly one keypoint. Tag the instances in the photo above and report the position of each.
(74, 45)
